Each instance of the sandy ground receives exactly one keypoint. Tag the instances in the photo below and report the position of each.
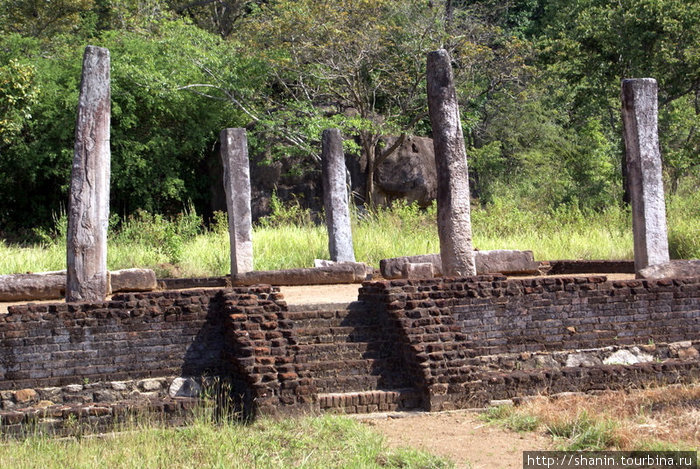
(313, 294)
(460, 436)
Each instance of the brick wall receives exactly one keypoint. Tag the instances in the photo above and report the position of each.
(441, 339)
(131, 336)
(260, 337)
(448, 322)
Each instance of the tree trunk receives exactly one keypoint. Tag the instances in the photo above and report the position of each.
(369, 146)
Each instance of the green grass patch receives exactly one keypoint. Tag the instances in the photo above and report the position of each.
(506, 416)
(578, 433)
(312, 442)
(658, 445)
(584, 433)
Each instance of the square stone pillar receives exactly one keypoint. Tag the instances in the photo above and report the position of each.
(643, 158)
(335, 197)
(454, 221)
(88, 206)
(234, 156)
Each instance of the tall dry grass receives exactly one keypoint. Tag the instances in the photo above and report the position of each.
(290, 238)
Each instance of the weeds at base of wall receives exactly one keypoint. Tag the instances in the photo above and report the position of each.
(322, 441)
(653, 419)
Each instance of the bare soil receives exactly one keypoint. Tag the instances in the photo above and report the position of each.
(668, 416)
(316, 294)
(462, 437)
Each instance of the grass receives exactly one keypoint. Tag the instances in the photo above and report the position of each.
(658, 419)
(288, 238)
(311, 442)
(505, 416)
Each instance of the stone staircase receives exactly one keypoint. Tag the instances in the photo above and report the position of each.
(352, 357)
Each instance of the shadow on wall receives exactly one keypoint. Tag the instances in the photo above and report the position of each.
(209, 355)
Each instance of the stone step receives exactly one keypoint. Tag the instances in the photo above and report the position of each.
(313, 318)
(342, 351)
(338, 334)
(343, 368)
(378, 400)
(355, 383)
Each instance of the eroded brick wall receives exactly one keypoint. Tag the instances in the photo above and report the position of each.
(447, 323)
(260, 337)
(444, 331)
(131, 336)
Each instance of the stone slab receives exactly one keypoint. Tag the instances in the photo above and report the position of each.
(503, 261)
(672, 269)
(52, 285)
(342, 272)
(416, 270)
(132, 280)
(576, 266)
(192, 282)
(20, 287)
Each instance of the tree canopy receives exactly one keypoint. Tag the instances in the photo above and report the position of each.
(538, 81)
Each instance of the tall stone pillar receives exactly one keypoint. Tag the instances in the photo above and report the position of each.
(454, 222)
(234, 155)
(88, 206)
(643, 157)
(335, 197)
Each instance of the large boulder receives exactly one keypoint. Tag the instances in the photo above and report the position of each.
(504, 261)
(408, 173)
(672, 269)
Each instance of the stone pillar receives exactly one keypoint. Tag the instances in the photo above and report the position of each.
(234, 155)
(88, 206)
(639, 117)
(335, 197)
(454, 222)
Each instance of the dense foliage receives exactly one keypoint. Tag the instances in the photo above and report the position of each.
(538, 81)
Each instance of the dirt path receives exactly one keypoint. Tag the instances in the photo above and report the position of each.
(312, 294)
(462, 437)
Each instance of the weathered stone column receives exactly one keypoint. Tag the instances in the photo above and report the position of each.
(454, 222)
(88, 206)
(639, 117)
(335, 197)
(234, 155)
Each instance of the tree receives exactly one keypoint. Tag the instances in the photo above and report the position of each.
(161, 135)
(18, 94)
(38, 18)
(593, 44)
(217, 16)
(362, 62)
